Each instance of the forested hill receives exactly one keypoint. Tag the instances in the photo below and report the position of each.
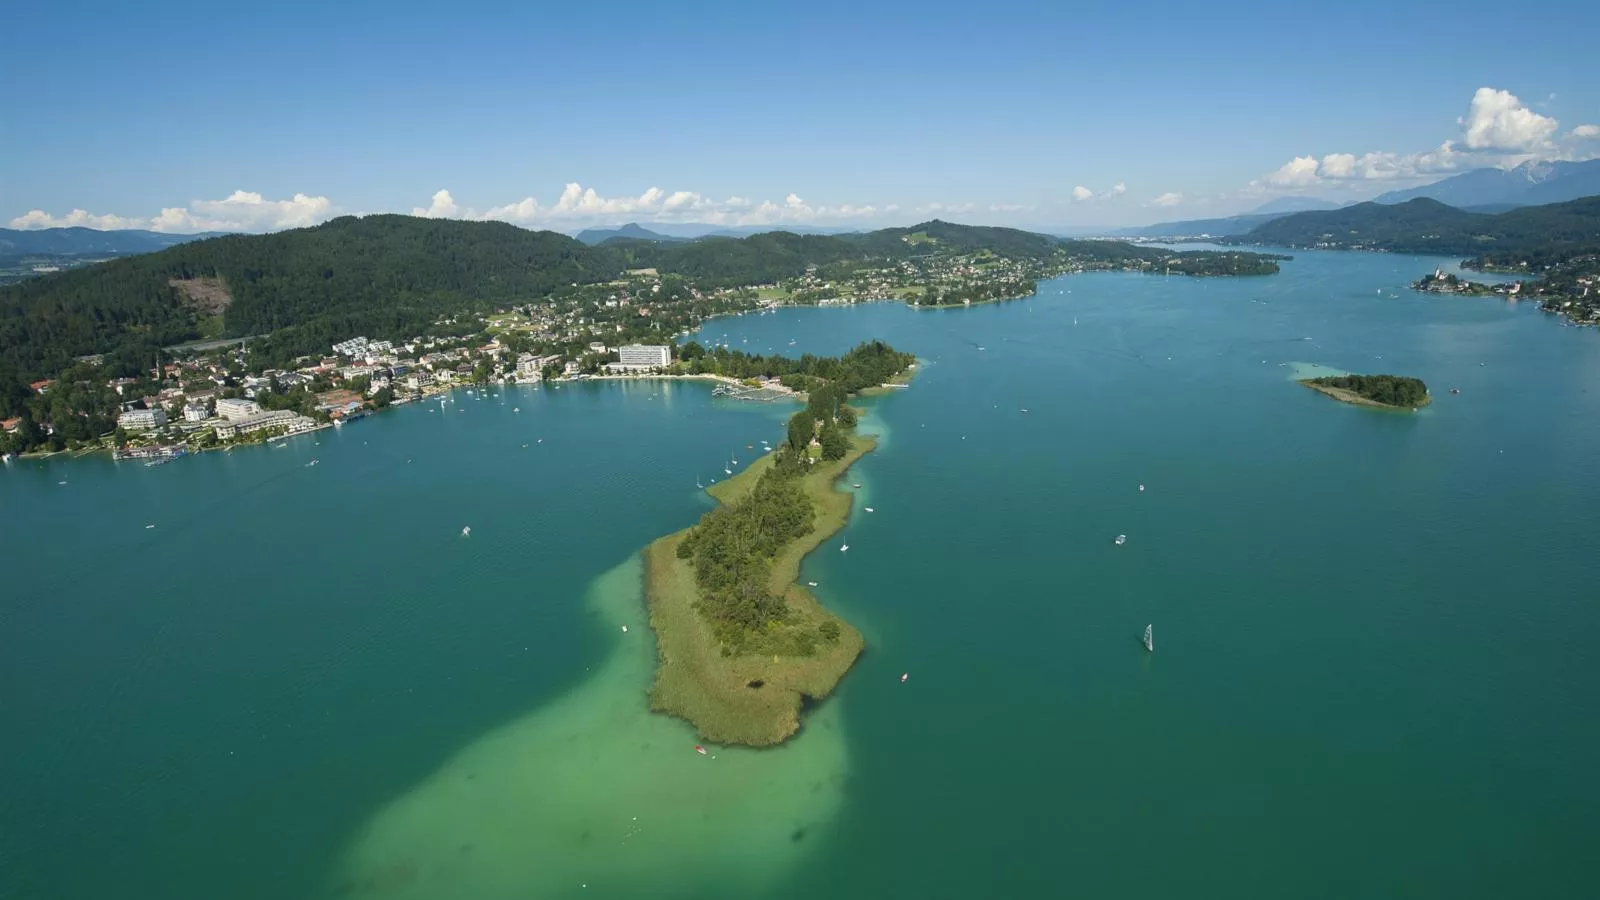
(382, 274)
(391, 275)
(1428, 226)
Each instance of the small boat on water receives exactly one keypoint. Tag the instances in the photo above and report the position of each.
(466, 531)
(1121, 539)
(726, 470)
(843, 547)
(811, 584)
(151, 525)
(904, 676)
(1141, 488)
(311, 463)
(856, 485)
(870, 509)
(699, 749)
(1149, 638)
(1455, 390)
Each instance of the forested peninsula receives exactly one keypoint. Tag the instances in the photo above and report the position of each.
(741, 645)
(1387, 391)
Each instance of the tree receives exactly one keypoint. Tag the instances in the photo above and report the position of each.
(834, 443)
(383, 397)
(802, 425)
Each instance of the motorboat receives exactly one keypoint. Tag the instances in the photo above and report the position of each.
(1121, 539)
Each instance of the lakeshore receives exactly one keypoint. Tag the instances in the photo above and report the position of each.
(695, 681)
(446, 719)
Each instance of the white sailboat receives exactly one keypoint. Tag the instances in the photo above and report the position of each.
(843, 547)
(1149, 639)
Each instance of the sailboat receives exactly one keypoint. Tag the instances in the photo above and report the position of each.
(1149, 639)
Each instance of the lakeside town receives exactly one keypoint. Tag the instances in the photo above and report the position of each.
(1569, 288)
(221, 393)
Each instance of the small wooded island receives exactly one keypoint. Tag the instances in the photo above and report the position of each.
(1386, 391)
(742, 646)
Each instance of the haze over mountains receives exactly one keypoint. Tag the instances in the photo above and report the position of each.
(1480, 190)
(73, 241)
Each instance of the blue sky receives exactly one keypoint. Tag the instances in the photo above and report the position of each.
(187, 116)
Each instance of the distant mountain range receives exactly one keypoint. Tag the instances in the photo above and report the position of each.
(1423, 225)
(89, 241)
(1530, 184)
(632, 231)
(688, 231)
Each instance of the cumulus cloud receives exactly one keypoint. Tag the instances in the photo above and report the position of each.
(1170, 198)
(1298, 171)
(1081, 193)
(1497, 120)
(578, 206)
(239, 211)
(1117, 190)
(442, 207)
(1498, 130)
(78, 218)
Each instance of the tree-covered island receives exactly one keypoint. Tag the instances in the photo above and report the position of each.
(1387, 391)
(742, 646)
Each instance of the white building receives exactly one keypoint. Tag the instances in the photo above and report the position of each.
(238, 409)
(195, 412)
(356, 346)
(291, 421)
(644, 356)
(142, 419)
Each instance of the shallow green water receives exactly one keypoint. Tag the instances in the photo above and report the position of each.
(1371, 674)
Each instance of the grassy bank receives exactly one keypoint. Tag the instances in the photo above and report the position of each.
(694, 681)
(1348, 396)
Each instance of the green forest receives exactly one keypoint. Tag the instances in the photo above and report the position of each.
(732, 548)
(1390, 390)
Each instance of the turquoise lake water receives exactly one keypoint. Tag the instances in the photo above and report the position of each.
(1373, 672)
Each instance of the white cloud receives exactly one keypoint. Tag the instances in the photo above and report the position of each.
(1498, 130)
(1170, 198)
(1081, 193)
(1299, 171)
(1117, 190)
(239, 211)
(581, 207)
(1497, 120)
(37, 218)
(442, 207)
